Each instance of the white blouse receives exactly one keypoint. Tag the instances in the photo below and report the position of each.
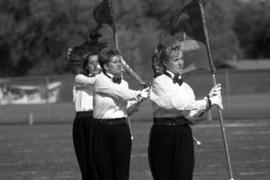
(171, 100)
(111, 99)
(83, 92)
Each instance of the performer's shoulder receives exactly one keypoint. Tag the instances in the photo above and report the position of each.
(187, 86)
(79, 77)
(160, 78)
(83, 76)
(101, 79)
(124, 82)
(100, 75)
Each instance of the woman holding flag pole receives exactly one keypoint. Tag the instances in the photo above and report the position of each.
(189, 24)
(171, 151)
(113, 102)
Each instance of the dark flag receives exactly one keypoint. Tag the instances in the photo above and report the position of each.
(190, 22)
(103, 14)
(187, 27)
(97, 40)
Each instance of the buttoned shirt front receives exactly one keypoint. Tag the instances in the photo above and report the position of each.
(111, 99)
(173, 100)
(83, 90)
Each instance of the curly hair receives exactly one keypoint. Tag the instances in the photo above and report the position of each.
(163, 54)
(157, 66)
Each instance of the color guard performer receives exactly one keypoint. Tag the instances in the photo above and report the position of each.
(83, 90)
(112, 101)
(171, 150)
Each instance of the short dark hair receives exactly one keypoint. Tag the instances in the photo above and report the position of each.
(106, 55)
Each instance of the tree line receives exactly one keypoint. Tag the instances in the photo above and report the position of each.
(35, 35)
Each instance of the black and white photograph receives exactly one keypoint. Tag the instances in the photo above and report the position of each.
(135, 90)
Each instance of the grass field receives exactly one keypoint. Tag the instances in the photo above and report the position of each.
(45, 152)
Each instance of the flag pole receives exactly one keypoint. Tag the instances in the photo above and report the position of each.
(116, 43)
(213, 72)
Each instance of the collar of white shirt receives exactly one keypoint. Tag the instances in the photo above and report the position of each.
(172, 74)
(115, 79)
(108, 74)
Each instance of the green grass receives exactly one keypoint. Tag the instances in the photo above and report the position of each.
(46, 151)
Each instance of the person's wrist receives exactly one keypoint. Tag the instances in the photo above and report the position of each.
(139, 97)
(208, 100)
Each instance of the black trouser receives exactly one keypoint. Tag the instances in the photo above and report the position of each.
(112, 149)
(82, 139)
(171, 152)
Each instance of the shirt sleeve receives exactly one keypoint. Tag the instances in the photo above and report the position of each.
(133, 107)
(165, 97)
(82, 80)
(198, 113)
(102, 85)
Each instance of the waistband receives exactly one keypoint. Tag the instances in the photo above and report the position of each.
(170, 121)
(84, 114)
(110, 121)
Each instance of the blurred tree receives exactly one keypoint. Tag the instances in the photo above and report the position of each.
(5, 64)
(162, 10)
(223, 40)
(138, 34)
(252, 26)
(36, 34)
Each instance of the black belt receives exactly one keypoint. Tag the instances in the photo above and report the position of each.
(170, 121)
(110, 121)
(84, 114)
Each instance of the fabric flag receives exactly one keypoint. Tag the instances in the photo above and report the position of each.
(103, 14)
(187, 27)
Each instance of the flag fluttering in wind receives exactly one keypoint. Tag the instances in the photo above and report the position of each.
(187, 27)
(190, 22)
(103, 14)
(96, 40)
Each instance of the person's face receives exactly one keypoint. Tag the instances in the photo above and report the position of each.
(92, 64)
(114, 66)
(176, 63)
